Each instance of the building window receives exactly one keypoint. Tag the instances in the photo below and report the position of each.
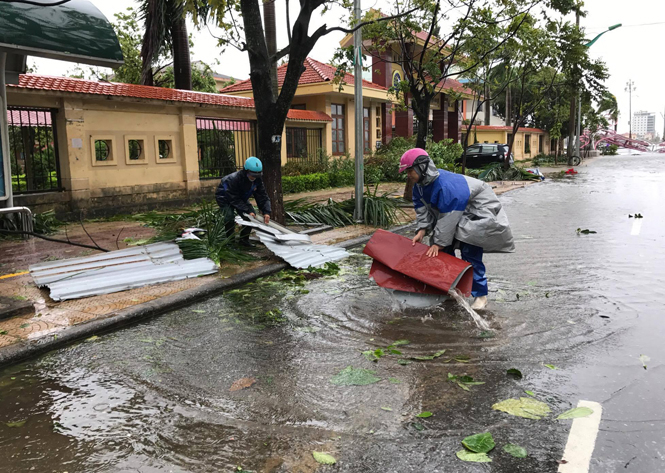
(527, 144)
(338, 129)
(296, 142)
(299, 106)
(102, 150)
(378, 123)
(366, 142)
(165, 148)
(135, 150)
(540, 144)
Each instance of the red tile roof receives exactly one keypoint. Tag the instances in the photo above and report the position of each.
(506, 128)
(455, 86)
(115, 89)
(315, 73)
(29, 118)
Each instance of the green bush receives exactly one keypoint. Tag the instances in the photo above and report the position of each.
(611, 150)
(444, 152)
(320, 162)
(307, 182)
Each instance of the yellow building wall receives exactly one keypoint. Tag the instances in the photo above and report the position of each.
(500, 136)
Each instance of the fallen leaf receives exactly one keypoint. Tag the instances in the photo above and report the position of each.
(468, 456)
(3, 332)
(351, 376)
(92, 339)
(24, 326)
(514, 372)
(644, 359)
(403, 362)
(389, 409)
(523, 407)
(197, 311)
(324, 458)
(515, 450)
(479, 443)
(552, 367)
(394, 381)
(486, 334)
(425, 415)
(575, 413)
(462, 358)
(242, 383)
(530, 393)
(428, 357)
(19, 423)
(400, 342)
(418, 426)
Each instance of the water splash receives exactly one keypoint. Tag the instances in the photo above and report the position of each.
(480, 322)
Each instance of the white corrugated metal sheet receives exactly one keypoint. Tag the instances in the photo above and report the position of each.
(303, 255)
(118, 271)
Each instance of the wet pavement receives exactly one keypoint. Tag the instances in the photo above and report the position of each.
(163, 396)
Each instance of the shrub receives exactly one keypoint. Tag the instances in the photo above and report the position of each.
(319, 162)
(307, 182)
(610, 150)
(444, 152)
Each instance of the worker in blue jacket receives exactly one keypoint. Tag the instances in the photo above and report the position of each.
(234, 192)
(458, 212)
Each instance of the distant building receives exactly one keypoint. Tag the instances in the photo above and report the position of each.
(643, 123)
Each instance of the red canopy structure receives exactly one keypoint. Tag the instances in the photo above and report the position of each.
(609, 137)
(401, 266)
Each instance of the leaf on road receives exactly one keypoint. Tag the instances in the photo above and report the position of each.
(462, 358)
(394, 381)
(324, 458)
(530, 393)
(242, 383)
(19, 423)
(552, 367)
(644, 359)
(351, 376)
(197, 311)
(403, 362)
(523, 407)
(514, 372)
(369, 354)
(468, 456)
(515, 450)
(575, 413)
(92, 339)
(464, 381)
(3, 332)
(418, 426)
(400, 342)
(389, 409)
(428, 357)
(425, 415)
(479, 443)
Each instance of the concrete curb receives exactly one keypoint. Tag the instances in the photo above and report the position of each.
(28, 349)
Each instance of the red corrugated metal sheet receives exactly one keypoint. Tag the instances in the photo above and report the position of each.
(315, 72)
(406, 267)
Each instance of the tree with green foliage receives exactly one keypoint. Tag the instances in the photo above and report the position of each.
(243, 28)
(165, 30)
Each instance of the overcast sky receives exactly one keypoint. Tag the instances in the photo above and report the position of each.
(633, 51)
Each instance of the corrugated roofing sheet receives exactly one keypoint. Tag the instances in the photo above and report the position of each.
(118, 271)
(303, 255)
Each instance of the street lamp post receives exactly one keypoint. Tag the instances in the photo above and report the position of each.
(579, 96)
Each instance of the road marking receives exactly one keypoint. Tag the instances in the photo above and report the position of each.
(637, 227)
(581, 440)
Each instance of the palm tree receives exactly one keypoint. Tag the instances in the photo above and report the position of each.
(608, 104)
(166, 29)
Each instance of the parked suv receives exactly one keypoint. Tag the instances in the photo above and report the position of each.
(482, 154)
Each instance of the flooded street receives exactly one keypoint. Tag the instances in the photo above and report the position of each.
(250, 379)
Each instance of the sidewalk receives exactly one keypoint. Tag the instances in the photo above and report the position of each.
(47, 324)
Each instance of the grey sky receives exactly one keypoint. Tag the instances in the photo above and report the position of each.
(631, 52)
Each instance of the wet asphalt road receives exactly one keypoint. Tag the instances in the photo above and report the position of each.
(156, 397)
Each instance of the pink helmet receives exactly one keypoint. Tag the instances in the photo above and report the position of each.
(409, 158)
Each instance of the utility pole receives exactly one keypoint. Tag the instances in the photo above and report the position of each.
(663, 136)
(630, 88)
(573, 105)
(360, 135)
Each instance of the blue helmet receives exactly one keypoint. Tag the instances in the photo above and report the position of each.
(254, 166)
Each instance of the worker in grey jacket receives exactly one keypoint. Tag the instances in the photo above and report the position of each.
(458, 212)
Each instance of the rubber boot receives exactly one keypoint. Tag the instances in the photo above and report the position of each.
(479, 303)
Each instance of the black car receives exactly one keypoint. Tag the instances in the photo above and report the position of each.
(482, 154)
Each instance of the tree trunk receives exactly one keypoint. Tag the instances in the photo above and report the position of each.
(270, 155)
(571, 127)
(421, 109)
(182, 68)
(487, 105)
(271, 39)
(509, 106)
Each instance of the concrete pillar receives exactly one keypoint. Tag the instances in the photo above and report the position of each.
(404, 122)
(382, 68)
(386, 123)
(455, 124)
(440, 121)
(74, 150)
(189, 151)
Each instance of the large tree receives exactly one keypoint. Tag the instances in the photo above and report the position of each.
(166, 29)
(243, 28)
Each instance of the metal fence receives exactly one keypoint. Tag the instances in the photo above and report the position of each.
(303, 143)
(33, 150)
(224, 145)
